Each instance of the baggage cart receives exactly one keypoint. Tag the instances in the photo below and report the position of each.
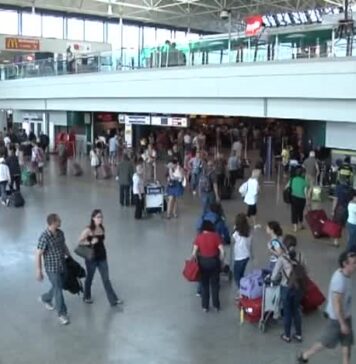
(154, 198)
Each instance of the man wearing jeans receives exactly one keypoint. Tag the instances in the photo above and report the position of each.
(52, 250)
(338, 329)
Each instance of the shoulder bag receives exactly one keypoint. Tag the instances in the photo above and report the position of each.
(85, 251)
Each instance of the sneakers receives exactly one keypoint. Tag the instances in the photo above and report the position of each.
(48, 306)
(89, 301)
(63, 320)
(117, 302)
(257, 226)
(300, 359)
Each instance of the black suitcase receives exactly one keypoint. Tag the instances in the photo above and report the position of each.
(16, 199)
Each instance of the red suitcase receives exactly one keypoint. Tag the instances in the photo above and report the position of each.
(252, 308)
(332, 229)
(313, 297)
(316, 220)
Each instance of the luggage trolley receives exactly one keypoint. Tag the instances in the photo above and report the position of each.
(154, 198)
(270, 304)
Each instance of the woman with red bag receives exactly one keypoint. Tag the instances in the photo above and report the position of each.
(209, 251)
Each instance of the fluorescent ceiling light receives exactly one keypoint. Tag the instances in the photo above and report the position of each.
(109, 9)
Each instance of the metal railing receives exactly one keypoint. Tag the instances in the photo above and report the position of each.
(130, 60)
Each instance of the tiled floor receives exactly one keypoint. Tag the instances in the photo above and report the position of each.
(161, 321)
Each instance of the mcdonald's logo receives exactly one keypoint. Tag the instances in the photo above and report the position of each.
(22, 44)
(11, 43)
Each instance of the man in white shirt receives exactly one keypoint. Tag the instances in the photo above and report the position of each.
(249, 191)
(138, 191)
(187, 142)
(339, 309)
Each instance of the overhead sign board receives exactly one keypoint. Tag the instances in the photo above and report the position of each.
(175, 121)
(135, 119)
(254, 25)
(23, 44)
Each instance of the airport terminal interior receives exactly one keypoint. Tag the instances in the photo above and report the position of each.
(190, 126)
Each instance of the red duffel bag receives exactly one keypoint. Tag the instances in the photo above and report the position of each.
(252, 308)
(332, 229)
(191, 270)
(313, 297)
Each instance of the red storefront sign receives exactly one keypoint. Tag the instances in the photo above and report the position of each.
(22, 44)
(253, 25)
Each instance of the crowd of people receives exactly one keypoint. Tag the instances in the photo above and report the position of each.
(208, 167)
(20, 154)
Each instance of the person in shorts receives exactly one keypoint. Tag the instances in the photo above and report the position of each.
(338, 328)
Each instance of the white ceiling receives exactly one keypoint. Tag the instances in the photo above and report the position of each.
(194, 14)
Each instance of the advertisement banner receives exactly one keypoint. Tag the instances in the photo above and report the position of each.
(23, 44)
(254, 25)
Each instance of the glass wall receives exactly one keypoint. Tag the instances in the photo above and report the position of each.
(114, 35)
(94, 31)
(9, 22)
(149, 37)
(52, 26)
(75, 28)
(163, 35)
(130, 45)
(31, 24)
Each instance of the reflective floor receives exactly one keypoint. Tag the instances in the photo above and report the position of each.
(161, 321)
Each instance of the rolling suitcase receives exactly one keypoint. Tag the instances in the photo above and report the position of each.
(316, 220)
(313, 298)
(332, 229)
(252, 308)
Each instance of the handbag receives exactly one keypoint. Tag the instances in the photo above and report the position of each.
(191, 270)
(287, 194)
(85, 251)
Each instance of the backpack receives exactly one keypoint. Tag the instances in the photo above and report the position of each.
(205, 185)
(298, 277)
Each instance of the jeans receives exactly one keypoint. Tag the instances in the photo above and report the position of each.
(103, 268)
(239, 270)
(210, 276)
(56, 292)
(3, 195)
(194, 182)
(125, 195)
(351, 242)
(207, 198)
(297, 207)
(291, 298)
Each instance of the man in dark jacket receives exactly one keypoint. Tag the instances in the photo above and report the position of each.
(15, 171)
(125, 172)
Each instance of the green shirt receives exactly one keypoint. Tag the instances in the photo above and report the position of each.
(298, 186)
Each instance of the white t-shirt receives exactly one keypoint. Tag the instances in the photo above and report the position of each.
(187, 139)
(242, 247)
(252, 192)
(137, 184)
(352, 213)
(7, 141)
(340, 284)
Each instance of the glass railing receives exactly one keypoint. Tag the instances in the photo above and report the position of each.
(128, 60)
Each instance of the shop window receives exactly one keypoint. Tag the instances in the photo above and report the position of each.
(9, 22)
(94, 31)
(52, 26)
(75, 29)
(31, 25)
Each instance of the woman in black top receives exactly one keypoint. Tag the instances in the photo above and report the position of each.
(94, 236)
